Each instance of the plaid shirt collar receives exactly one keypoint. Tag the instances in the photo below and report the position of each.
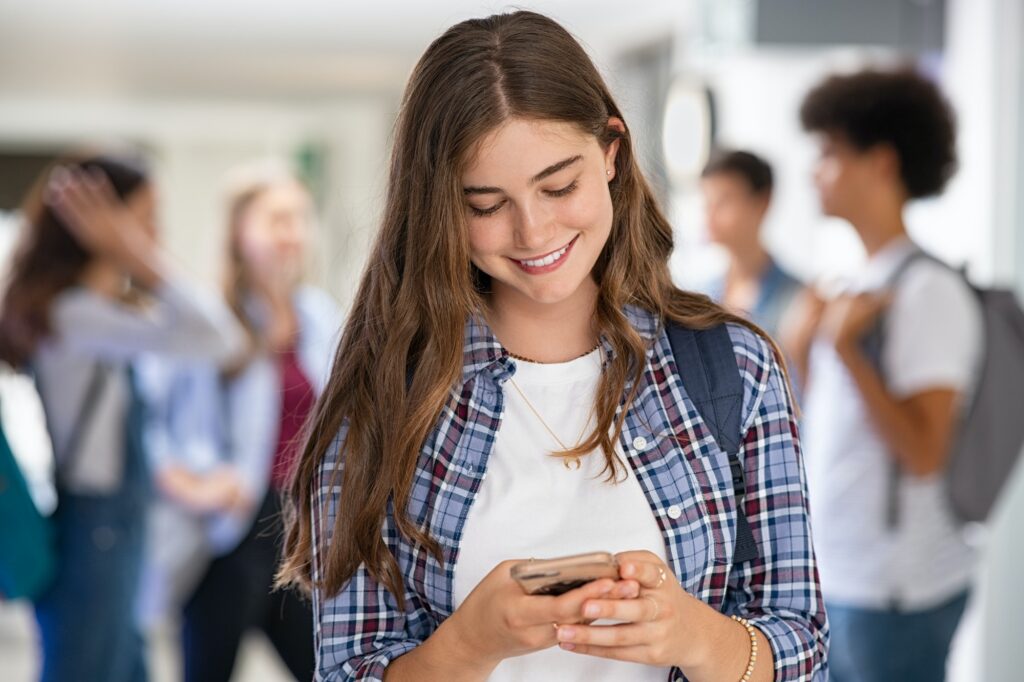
(482, 352)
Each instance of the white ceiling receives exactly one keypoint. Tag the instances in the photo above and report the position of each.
(247, 47)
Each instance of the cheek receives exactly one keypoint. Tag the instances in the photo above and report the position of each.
(488, 237)
(724, 217)
(586, 211)
(255, 246)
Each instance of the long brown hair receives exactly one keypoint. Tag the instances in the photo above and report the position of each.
(419, 287)
(49, 259)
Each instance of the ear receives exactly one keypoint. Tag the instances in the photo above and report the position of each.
(886, 162)
(612, 151)
(764, 200)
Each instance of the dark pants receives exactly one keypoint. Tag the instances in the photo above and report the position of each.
(236, 594)
(889, 646)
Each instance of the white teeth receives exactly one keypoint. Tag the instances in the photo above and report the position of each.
(547, 260)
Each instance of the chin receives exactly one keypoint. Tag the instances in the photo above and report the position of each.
(550, 293)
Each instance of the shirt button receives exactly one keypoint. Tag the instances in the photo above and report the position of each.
(674, 512)
(639, 443)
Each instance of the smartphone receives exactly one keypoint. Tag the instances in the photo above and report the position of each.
(558, 576)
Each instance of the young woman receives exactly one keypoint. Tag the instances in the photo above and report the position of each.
(505, 389)
(227, 439)
(89, 292)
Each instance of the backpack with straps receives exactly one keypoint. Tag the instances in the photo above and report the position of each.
(707, 366)
(990, 435)
(28, 546)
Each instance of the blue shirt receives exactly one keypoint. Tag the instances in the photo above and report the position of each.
(775, 292)
(200, 421)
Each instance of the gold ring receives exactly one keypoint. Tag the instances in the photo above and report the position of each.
(661, 577)
(657, 607)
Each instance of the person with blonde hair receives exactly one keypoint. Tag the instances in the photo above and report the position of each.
(225, 438)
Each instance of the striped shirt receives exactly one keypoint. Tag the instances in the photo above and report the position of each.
(683, 473)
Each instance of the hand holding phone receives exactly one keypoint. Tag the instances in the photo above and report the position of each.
(558, 576)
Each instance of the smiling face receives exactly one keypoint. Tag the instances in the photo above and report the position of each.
(539, 210)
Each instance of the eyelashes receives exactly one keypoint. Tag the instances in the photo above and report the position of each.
(484, 212)
(555, 193)
(568, 189)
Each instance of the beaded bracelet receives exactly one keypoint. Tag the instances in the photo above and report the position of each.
(753, 647)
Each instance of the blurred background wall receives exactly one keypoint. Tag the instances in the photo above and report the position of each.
(203, 85)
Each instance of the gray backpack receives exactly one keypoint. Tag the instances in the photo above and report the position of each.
(990, 437)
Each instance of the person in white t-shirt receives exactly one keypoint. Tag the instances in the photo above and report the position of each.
(895, 567)
(506, 388)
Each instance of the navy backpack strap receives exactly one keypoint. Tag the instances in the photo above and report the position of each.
(707, 366)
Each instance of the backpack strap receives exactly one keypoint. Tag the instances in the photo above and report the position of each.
(873, 345)
(707, 366)
(64, 460)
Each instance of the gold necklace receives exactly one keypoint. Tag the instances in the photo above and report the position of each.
(538, 362)
(576, 464)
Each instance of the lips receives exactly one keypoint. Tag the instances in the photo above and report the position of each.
(547, 262)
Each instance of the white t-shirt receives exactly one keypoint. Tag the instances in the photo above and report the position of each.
(933, 341)
(530, 505)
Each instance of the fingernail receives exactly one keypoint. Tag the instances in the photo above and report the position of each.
(567, 646)
(591, 610)
(565, 634)
(628, 570)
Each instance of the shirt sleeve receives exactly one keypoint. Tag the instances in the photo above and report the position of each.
(779, 592)
(182, 321)
(154, 381)
(934, 332)
(361, 629)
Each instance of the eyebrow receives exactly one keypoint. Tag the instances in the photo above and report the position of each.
(550, 170)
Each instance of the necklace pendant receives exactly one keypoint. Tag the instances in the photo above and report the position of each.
(575, 463)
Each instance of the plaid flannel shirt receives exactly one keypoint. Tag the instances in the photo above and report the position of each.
(684, 475)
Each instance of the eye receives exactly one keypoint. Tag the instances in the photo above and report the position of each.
(568, 189)
(484, 212)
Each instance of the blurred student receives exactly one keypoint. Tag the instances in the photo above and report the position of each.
(228, 438)
(881, 399)
(737, 189)
(90, 291)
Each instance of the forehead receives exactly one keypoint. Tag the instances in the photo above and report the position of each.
(285, 193)
(520, 148)
(725, 181)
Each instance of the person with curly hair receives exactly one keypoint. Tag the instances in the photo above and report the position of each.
(886, 366)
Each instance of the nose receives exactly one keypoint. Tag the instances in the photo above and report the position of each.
(533, 228)
(290, 232)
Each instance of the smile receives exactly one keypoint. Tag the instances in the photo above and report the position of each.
(548, 262)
